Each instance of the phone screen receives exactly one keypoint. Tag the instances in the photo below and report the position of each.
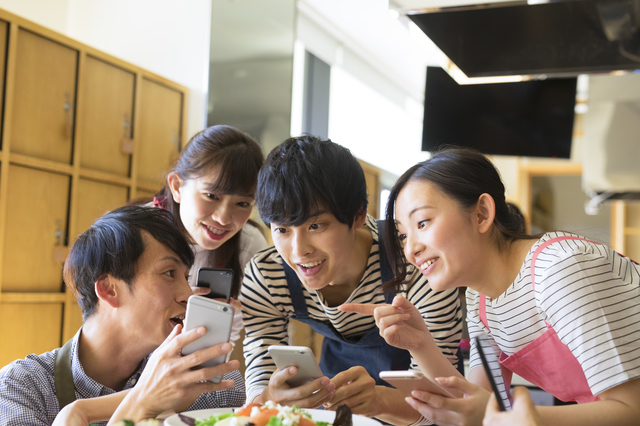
(493, 371)
(219, 281)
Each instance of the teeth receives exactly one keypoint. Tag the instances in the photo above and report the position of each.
(426, 264)
(311, 265)
(215, 230)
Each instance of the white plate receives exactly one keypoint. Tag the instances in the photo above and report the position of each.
(316, 415)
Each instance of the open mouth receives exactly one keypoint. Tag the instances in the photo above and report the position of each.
(310, 265)
(177, 320)
(428, 263)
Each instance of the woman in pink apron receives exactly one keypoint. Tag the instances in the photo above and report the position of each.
(562, 312)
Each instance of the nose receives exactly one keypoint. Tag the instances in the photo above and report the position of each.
(412, 248)
(300, 246)
(223, 213)
(184, 292)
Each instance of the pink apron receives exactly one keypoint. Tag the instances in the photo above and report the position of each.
(546, 362)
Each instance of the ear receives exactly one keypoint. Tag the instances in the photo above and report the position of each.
(107, 290)
(484, 213)
(360, 219)
(175, 183)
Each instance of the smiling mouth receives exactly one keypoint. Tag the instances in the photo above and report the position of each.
(216, 231)
(426, 264)
(310, 265)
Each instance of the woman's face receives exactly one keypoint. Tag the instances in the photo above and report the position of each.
(438, 235)
(209, 217)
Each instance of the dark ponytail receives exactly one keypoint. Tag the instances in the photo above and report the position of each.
(463, 174)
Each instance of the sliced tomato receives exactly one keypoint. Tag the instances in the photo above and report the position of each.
(262, 418)
(246, 410)
(305, 421)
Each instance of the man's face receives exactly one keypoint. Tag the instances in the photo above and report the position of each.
(320, 251)
(158, 299)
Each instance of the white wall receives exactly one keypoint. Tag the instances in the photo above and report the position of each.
(377, 80)
(166, 37)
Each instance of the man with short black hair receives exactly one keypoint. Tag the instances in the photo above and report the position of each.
(129, 273)
(312, 194)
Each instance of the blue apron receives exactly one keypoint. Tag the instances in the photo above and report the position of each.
(338, 353)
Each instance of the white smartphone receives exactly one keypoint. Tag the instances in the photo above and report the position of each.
(298, 356)
(411, 380)
(217, 317)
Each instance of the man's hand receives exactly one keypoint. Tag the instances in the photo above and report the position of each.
(358, 390)
(169, 381)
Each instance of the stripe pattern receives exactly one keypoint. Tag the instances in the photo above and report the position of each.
(267, 309)
(587, 292)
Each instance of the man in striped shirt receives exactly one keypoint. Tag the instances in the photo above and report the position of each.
(312, 194)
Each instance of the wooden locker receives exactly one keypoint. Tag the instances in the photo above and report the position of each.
(158, 130)
(36, 223)
(104, 127)
(44, 98)
(4, 27)
(94, 200)
(35, 329)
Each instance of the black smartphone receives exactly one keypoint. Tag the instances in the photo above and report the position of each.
(219, 281)
(491, 368)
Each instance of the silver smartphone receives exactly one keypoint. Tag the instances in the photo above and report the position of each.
(217, 317)
(219, 281)
(410, 380)
(298, 356)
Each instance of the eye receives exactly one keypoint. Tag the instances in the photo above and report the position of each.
(244, 204)
(279, 230)
(187, 276)
(315, 226)
(211, 196)
(423, 223)
(170, 273)
(402, 237)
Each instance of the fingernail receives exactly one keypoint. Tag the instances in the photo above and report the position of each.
(292, 370)
(331, 387)
(227, 347)
(324, 382)
(441, 379)
(201, 330)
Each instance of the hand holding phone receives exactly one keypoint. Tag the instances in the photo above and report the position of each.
(410, 380)
(217, 317)
(219, 281)
(297, 356)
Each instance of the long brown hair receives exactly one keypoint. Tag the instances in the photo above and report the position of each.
(238, 157)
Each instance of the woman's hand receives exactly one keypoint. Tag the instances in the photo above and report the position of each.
(524, 412)
(442, 410)
(309, 395)
(400, 323)
(169, 381)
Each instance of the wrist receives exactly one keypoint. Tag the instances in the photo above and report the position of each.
(133, 409)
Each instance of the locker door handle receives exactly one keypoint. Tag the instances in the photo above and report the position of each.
(68, 109)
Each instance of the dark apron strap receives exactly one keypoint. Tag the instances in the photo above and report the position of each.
(65, 388)
(386, 274)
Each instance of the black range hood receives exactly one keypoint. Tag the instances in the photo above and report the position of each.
(555, 38)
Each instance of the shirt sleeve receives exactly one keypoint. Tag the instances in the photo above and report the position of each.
(23, 399)
(233, 397)
(442, 314)
(589, 295)
(265, 325)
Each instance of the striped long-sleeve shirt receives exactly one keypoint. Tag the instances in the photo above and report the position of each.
(587, 292)
(267, 308)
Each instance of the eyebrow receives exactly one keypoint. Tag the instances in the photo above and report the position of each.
(212, 187)
(170, 258)
(420, 208)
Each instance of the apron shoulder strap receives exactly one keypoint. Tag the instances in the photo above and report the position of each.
(386, 273)
(63, 377)
(545, 245)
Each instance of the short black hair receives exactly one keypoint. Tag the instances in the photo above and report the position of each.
(306, 174)
(113, 246)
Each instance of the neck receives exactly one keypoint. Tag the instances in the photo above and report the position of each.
(337, 294)
(500, 268)
(106, 354)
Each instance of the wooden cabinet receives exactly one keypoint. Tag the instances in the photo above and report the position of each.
(82, 133)
(105, 126)
(160, 130)
(625, 228)
(44, 99)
